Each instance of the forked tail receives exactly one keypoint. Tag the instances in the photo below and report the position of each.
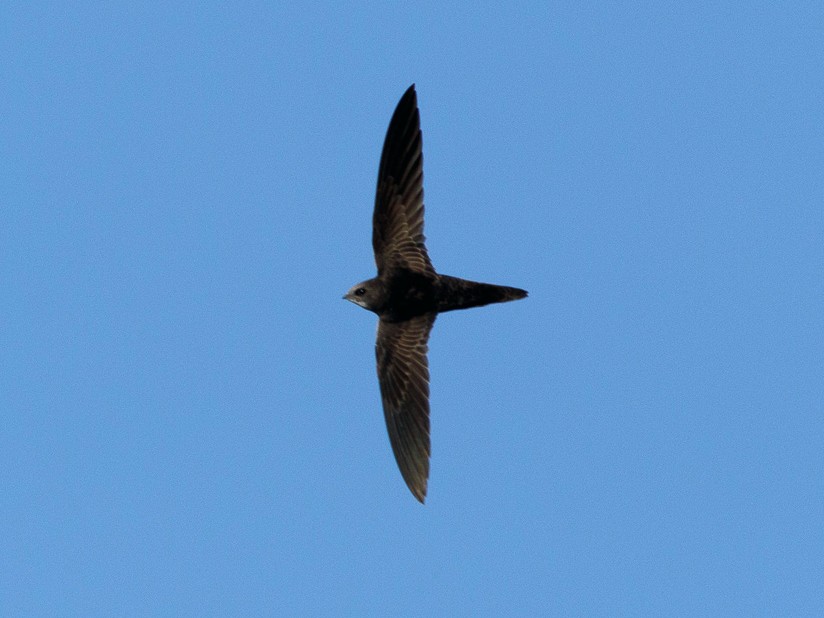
(462, 294)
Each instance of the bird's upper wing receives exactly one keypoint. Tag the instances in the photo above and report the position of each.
(403, 372)
(397, 224)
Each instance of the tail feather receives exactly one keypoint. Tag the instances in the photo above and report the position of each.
(462, 294)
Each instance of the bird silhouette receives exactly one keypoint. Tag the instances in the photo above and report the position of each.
(408, 294)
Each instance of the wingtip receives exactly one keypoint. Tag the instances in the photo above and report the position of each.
(418, 490)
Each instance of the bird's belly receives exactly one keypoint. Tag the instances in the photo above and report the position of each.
(410, 296)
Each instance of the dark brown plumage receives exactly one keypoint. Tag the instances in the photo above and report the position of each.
(408, 294)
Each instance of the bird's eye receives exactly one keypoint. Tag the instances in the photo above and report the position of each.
(360, 291)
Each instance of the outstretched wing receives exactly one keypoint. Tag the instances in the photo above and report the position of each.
(403, 373)
(397, 224)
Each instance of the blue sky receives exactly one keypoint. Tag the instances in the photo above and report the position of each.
(191, 418)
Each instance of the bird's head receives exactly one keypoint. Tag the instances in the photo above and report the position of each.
(367, 294)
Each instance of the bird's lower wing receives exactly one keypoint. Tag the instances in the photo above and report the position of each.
(403, 372)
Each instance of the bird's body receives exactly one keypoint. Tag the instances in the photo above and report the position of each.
(408, 294)
(405, 294)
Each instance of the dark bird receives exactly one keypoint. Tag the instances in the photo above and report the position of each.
(408, 294)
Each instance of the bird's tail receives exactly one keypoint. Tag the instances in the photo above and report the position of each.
(462, 294)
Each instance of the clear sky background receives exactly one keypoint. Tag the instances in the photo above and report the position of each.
(191, 421)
